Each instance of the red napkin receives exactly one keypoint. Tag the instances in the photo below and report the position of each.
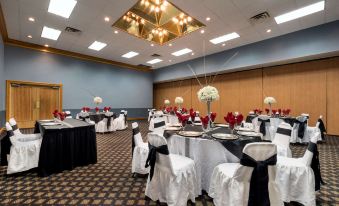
(213, 116)
(204, 121)
(279, 110)
(97, 109)
(256, 111)
(267, 110)
(259, 111)
(61, 116)
(55, 113)
(168, 109)
(239, 118)
(192, 114)
(175, 109)
(288, 111)
(274, 111)
(183, 110)
(230, 119)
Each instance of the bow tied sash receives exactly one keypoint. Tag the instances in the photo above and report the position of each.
(262, 126)
(301, 128)
(152, 156)
(322, 128)
(125, 115)
(135, 132)
(259, 193)
(84, 118)
(109, 118)
(14, 127)
(315, 165)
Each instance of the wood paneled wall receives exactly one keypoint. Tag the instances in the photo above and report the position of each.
(307, 87)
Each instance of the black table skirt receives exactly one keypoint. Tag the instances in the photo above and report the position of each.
(65, 149)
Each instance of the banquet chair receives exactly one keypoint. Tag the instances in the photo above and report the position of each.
(172, 178)
(24, 152)
(154, 120)
(247, 125)
(264, 126)
(139, 151)
(105, 124)
(173, 119)
(120, 123)
(299, 130)
(150, 114)
(282, 139)
(17, 131)
(239, 183)
(319, 127)
(197, 119)
(68, 114)
(296, 178)
(84, 116)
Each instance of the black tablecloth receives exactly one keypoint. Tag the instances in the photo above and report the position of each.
(234, 146)
(5, 148)
(64, 147)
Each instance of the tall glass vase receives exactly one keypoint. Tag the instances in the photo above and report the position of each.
(209, 115)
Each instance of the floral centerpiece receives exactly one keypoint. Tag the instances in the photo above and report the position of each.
(208, 94)
(179, 101)
(270, 101)
(167, 102)
(97, 100)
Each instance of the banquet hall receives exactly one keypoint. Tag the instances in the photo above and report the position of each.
(169, 102)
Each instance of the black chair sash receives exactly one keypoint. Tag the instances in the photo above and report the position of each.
(135, 132)
(315, 165)
(159, 124)
(84, 118)
(125, 115)
(301, 128)
(263, 125)
(152, 156)
(14, 127)
(10, 133)
(68, 115)
(109, 118)
(249, 118)
(284, 131)
(322, 128)
(259, 194)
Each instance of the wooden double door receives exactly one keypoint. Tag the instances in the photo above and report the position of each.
(31, 101)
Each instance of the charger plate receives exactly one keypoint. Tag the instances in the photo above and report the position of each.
(190, 133)
(224, 136)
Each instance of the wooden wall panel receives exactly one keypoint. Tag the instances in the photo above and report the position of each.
(333, 97)
(306, 87)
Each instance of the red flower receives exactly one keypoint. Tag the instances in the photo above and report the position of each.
(213, 116)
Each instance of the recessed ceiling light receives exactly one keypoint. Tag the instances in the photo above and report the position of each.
(181, 52)
(208, 18)
(170, 45)
(224, 38)
(62, 8)
(116, 32)
(223, 44)
(31, 19)
(46, 45)
(30, 36)
(106, 19)
(310, 9)
(97, 45)
(152, 44)
(202, 31)
(154, 61)
(50, 33)
(130, 54)
(170, 60)
(192, 54)
(268, 30)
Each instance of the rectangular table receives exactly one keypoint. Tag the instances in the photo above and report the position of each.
(66, 146)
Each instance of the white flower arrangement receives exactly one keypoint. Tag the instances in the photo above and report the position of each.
(167, 102)
(97, 100)
(179, 100)
(208, 93)
(270, 100)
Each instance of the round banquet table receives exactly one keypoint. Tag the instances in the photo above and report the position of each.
(206, 153)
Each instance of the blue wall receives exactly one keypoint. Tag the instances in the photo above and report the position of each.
(119, 88)
(306, 44)
(2, 83)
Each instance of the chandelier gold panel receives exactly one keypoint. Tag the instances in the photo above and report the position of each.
(157, 21)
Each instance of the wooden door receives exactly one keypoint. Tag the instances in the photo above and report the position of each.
(31, 101)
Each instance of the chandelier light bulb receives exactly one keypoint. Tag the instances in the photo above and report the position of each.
(182, 15)
(165, 3)
(181, 23)
(147, 3)
(157, 9)
(162, 7)
(189, 19)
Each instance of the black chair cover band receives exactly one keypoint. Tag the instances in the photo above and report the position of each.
(262, 125)
(249, 118)
(84, 118)
(125, 115)
(259, 194)
(301, 128)
(109, 118)
(10, 133)
(284, 131)
(315, 165)
(135, 131)
(159, 124)
(152, 156)
(68, 115)
(14, 127)
(322, 128)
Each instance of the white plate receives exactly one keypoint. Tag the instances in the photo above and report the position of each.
(244, 129)
(174, 125)
(224, 136)
(197, 124)
(222, 125)
(249, 133)
(190, 133)
(46, 120)
(50, 124)
(172, 128)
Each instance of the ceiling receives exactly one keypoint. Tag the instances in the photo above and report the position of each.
(226, 16)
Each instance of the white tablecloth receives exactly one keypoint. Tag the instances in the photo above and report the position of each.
(207, 154)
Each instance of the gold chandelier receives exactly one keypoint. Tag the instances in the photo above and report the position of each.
(157, 21)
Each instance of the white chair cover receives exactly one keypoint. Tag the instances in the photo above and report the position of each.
(17, 131)
(68, 114)
(104, 125)
(139, 151)
(120, 122)
(154, 121)
(295, 178)
(268, 128)
(85, 116)
(24, 152)
(230, 182)
(173, 119)
(174, 179)
(282, 139)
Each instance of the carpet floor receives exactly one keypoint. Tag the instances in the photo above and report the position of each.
(109, 182)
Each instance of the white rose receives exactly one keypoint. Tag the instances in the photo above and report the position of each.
(270, 100)
(97, 100)
(167, 102)
(208, 93)
(179, 100)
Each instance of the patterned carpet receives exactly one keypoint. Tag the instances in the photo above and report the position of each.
(109, 182)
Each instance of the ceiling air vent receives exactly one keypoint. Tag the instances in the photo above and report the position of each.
(155, 55)
(260, 18)
(71, 30)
